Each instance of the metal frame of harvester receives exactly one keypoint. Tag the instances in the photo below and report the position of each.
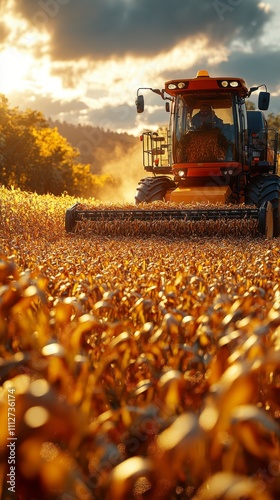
(228, 163)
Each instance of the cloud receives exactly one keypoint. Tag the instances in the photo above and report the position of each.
(4, 32)
(254, 66)
(47, 105)
(108, 28)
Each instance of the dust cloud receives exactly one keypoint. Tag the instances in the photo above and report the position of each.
(127, 171)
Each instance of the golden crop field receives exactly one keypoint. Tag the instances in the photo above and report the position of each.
(136, 367)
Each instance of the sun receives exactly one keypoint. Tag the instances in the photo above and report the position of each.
(14, 69)
(22, 72)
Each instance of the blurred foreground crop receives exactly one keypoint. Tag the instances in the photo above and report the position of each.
(141, 369)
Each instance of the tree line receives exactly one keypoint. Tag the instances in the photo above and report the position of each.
(36, 157)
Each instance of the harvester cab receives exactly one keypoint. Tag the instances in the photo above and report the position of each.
(213, 152)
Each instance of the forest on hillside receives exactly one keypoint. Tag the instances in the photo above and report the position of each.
(42, 156)
(96, 146)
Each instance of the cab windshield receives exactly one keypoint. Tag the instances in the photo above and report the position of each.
(204, 129)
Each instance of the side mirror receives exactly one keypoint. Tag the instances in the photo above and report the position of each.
(167, 107)
(140, 103)
(263, 102)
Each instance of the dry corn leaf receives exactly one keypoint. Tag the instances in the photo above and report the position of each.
(228, 486)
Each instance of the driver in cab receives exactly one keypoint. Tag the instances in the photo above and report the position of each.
(206, 116)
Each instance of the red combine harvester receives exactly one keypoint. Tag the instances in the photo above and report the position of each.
(214, 152)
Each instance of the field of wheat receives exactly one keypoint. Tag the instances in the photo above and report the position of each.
(136, 367)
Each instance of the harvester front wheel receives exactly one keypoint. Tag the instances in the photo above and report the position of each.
(262, 189)
(152, 189)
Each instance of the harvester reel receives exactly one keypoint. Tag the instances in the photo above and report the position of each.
(264, 216)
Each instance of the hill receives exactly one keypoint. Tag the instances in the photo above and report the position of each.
(97, 146)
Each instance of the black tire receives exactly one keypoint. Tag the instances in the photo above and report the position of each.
(69, 221)
(265, 188)
(152, 189)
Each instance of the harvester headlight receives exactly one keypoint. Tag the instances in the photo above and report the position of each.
(227, 170)
(181, 173)
(181, 85)
(234, 84)
(224, 83)
(172, 86)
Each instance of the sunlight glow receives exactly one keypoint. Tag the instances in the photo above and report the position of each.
(264, 6)
(26, 68)
(96, 89)
(14, 68)
(127, 75)
(25, 63)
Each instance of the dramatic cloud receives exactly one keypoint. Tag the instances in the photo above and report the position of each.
(83, 61)
(102, 29)
(248, 64)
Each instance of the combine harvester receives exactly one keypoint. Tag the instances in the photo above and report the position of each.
(217, 160)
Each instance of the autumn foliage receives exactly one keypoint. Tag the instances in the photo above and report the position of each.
(142, 368)
(36, 157)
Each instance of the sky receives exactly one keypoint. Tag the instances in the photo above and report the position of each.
(82, 61)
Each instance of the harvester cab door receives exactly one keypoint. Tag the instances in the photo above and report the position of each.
(262, 144)
(257, 135)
